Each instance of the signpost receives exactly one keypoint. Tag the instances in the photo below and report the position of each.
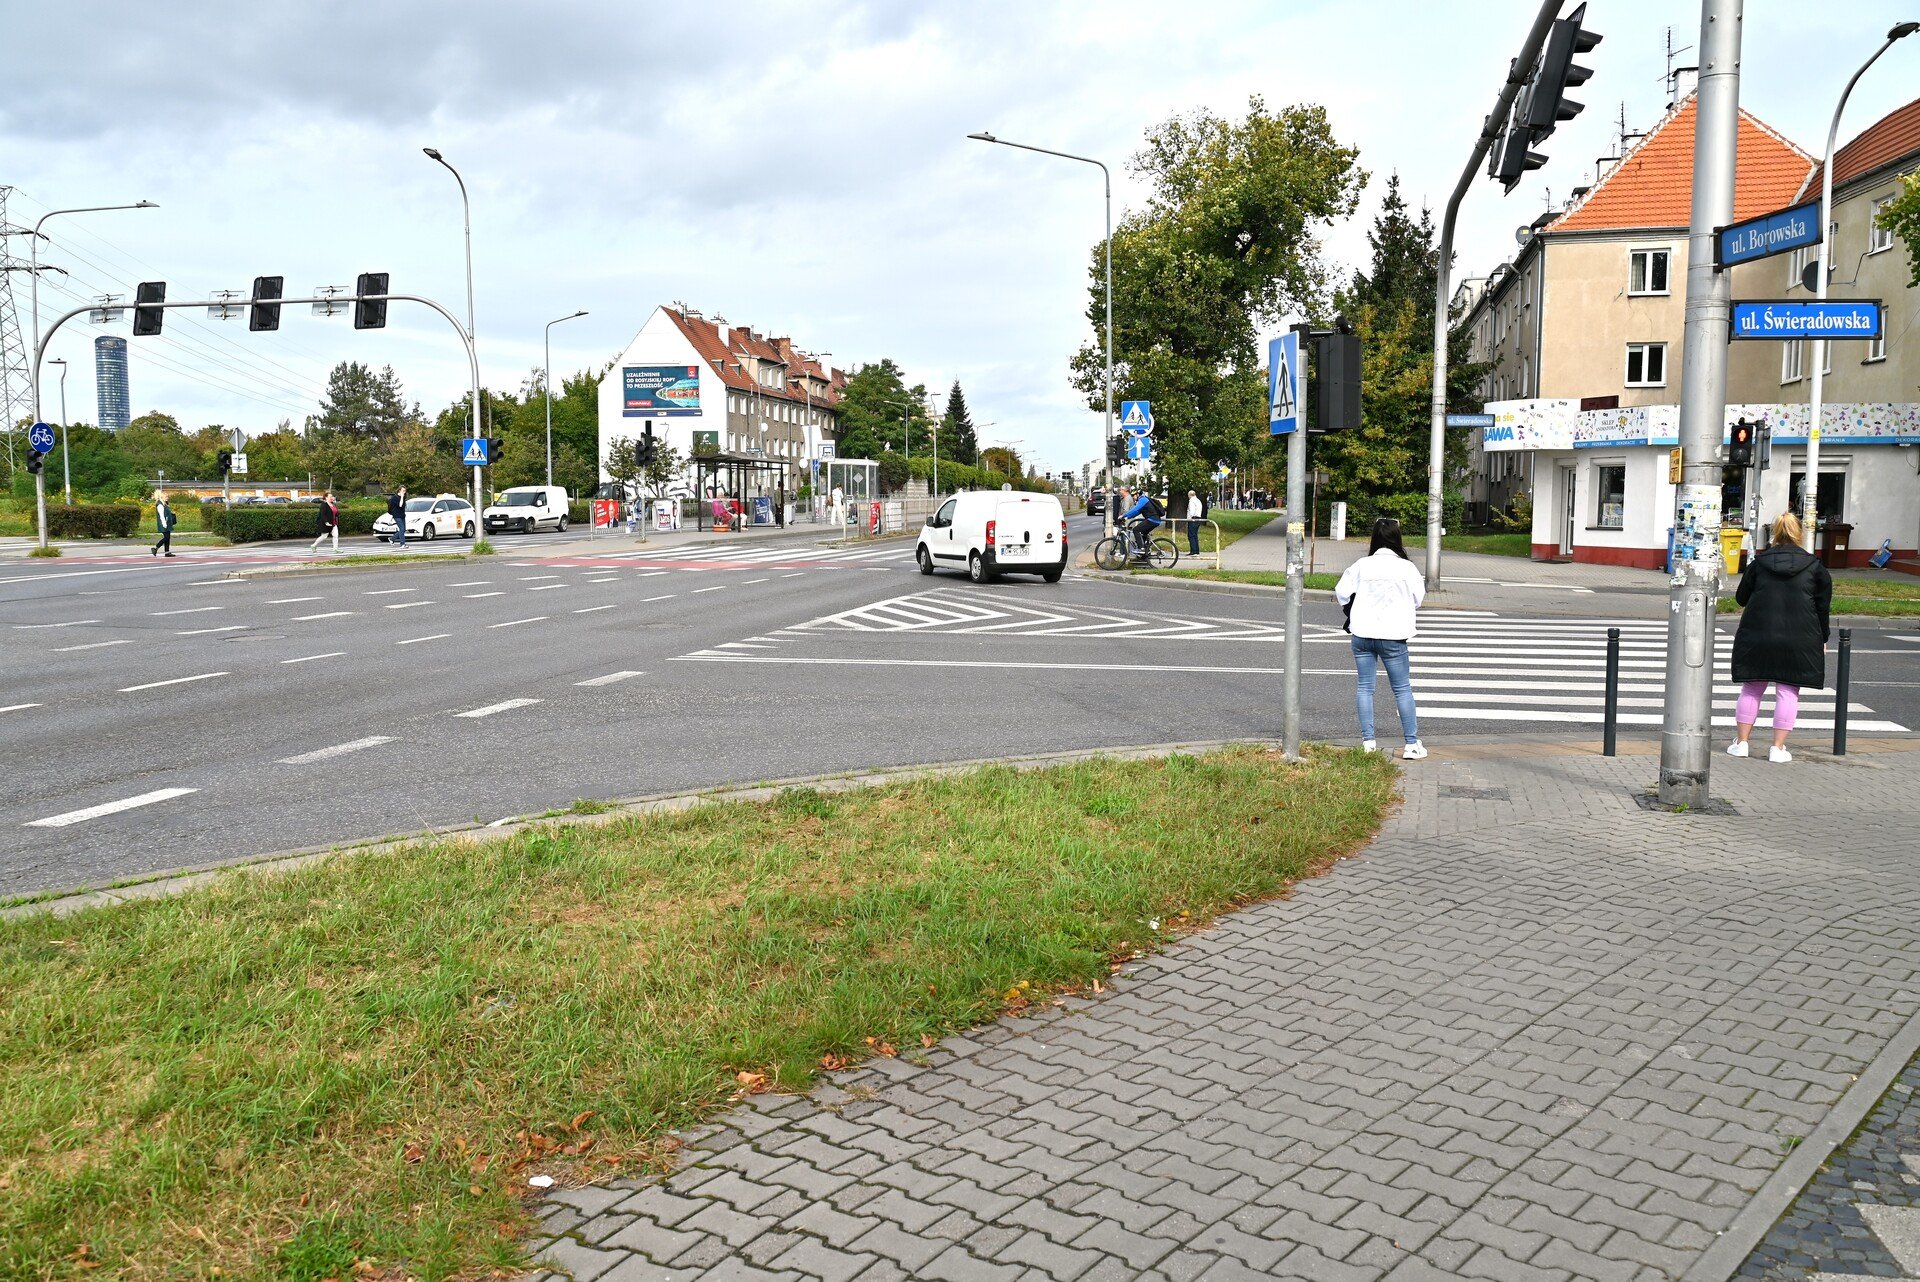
(1780, 232)
(1783, 318)
(473, 451)
(40, 441)
(1139, 448)
(1284, 385)
(1136, 418)
(239, 465)
(1287, 416)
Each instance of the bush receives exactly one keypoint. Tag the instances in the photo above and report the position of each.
(253, 523)
(355, 518)
(1408, 509)
(579, 511)
(92, 521)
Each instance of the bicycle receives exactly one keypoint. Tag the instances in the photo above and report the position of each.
(1114, 553)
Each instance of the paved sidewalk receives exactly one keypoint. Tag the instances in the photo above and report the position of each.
(1535, 1031)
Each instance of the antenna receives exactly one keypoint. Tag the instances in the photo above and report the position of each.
(1673, 73)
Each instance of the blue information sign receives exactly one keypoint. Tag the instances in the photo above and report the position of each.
(1284, 382)
(1469, 420)
(1781, 318)
(1136, 418)
(473, 451)
(40, 436)
(1770, 234)
(1139, 448)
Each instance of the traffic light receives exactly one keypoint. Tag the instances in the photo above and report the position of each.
(647, 447)
(147, 319)
(493, 450)
(370, 315)
(1337, 379)
(1513, 155)
(1740, 447)
(265, 314)
(1546, 103)
(1763, 445)
(226, 461)
(1116, 452)
(34, 463)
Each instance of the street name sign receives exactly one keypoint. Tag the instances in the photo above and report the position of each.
(473, 451)
(1469, 420)
(1284, 385)
(40, 436)
(1777, 233)
(1136, 418)
(1139, 448)
(1779, 318)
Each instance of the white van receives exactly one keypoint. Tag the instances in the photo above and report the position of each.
(988, 533)
(527, 508)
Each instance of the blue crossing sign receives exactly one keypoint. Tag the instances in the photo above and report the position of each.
(1136, 418)
(1139, 448)
(473, 451)
(1767, 235)
(1284, 413)
(1783, 318)
(40, 437)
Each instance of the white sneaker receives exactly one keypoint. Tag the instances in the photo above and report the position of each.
(1779, 756)
(1368, 745)
(1413, 752)
(1736, 749)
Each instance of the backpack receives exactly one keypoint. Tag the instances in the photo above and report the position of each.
(1153, 511)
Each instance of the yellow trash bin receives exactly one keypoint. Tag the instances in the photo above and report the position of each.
(1732, 539)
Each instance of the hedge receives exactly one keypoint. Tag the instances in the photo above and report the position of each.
(1409, 509)
(93, 520)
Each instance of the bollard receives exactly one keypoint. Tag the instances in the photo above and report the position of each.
(1610, 734)
(1843, 675)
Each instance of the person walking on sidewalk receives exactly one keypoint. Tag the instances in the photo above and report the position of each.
(329, 522)
(397, 509)
(1196, 513)
(1381, 592)
(163, 520)
(1786, 597)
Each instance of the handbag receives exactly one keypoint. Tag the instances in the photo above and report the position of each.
(1346, 616)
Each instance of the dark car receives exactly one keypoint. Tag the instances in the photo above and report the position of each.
(1096, 502)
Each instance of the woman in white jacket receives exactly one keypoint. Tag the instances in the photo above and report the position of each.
(1382, 591)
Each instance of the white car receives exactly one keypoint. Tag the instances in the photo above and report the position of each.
(428, 519)
(988, 533)
(528, 508)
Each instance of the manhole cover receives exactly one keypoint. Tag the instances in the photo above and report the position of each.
(1719, 809)
(1474, 794)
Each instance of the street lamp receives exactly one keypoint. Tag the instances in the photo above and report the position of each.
(549, 386)
(1107, 178)
(34, 252)
(1810, 488)
(466, 220)
(66, 468)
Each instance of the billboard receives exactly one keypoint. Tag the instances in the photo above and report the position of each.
(659, 391)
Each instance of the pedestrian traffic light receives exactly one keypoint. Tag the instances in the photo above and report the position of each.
(1546, 104)
(370, 313)
(265, 315)
(1337, 378)
(1740, 447)
(1116, 452)
(146, 318)
(226, 461)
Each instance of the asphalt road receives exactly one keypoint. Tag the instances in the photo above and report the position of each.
(156, 716)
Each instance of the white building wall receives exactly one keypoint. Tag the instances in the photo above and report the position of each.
(660, 342)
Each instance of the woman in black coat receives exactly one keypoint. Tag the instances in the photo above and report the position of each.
(1786, 595)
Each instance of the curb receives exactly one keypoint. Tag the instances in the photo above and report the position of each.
(177, 880)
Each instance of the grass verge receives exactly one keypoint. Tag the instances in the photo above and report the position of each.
(1878, 598)
(1264, 578)
(49, 550)
(353, 1067)
(1518, 544)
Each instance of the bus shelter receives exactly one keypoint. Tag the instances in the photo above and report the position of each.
(739, 489)
(852, 485)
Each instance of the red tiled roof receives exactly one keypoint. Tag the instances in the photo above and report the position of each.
(1653, 185)
(1893, 137)
(724, 357)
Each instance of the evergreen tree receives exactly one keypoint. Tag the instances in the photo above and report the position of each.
(1405, 264)
(364, 404)
(958, 440)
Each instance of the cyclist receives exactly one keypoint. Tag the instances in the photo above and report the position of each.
(1142, 519)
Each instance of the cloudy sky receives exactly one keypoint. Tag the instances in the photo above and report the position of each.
(802, 168)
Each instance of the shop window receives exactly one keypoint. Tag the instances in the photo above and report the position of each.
(1647, 271)
(1829, 504)
(1610, 492)
(1646, 364)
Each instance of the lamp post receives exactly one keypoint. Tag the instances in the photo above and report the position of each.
(466, 222)
(66, 466)
(549, 387)
(1107, 179)
(1810, 488)
(34, 252)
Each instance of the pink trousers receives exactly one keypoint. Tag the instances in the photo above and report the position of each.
(1786, 704)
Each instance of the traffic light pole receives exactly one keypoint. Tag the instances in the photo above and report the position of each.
(1686, 730)
(1296, 568)
(1517, 73)
(466, 339)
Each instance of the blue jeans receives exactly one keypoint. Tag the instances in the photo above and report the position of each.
(1368, 652)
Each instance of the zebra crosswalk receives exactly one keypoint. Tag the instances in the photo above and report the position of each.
(1485, 667)
(712, 556)
(960, 611)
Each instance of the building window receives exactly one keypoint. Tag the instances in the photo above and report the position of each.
(1877, 347)
(1797, 265)
(1878, 238)
(1793, 361)
(1829, 504)
(1523, 376)
(1647, 271)
(1646, 364)
(1610, 491)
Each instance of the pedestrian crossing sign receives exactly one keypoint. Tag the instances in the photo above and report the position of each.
(1283, 384)
(473, 451)
(1136, 418)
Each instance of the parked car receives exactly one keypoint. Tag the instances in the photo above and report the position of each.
(428, 519)
(988, 533)
(527, 508)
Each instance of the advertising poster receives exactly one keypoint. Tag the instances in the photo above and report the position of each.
(660, 391)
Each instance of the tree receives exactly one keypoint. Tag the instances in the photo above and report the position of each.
(153, 445)
(957, 438)
(623, 466)
(362, 403)
(279, 455)
(339, 461)
(1001, 459)
(870, 411)
(1226, 245)
(1901, 216)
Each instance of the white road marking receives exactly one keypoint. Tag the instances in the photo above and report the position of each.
(201, 632)
(338, 750)
(514, 623)
(331, 614)
(607, 680)
(408, 605)
(492, 708)
(750, 582)
(20, 707)
(110, 808)
(198, 609)
(29, 627)
(438, 636)
(309, 658)
(715, 588)
(91, 645)
(547, 587)
(154, 685)
(534, 578)
(667, 597)
(295, 600)
(388, 591)
(610, 579)
(1896, 636)
(594, 609)
(798, 574)
(650, 574)
(475, 596)
(471, 583)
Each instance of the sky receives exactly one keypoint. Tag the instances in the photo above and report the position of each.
(799, 168)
